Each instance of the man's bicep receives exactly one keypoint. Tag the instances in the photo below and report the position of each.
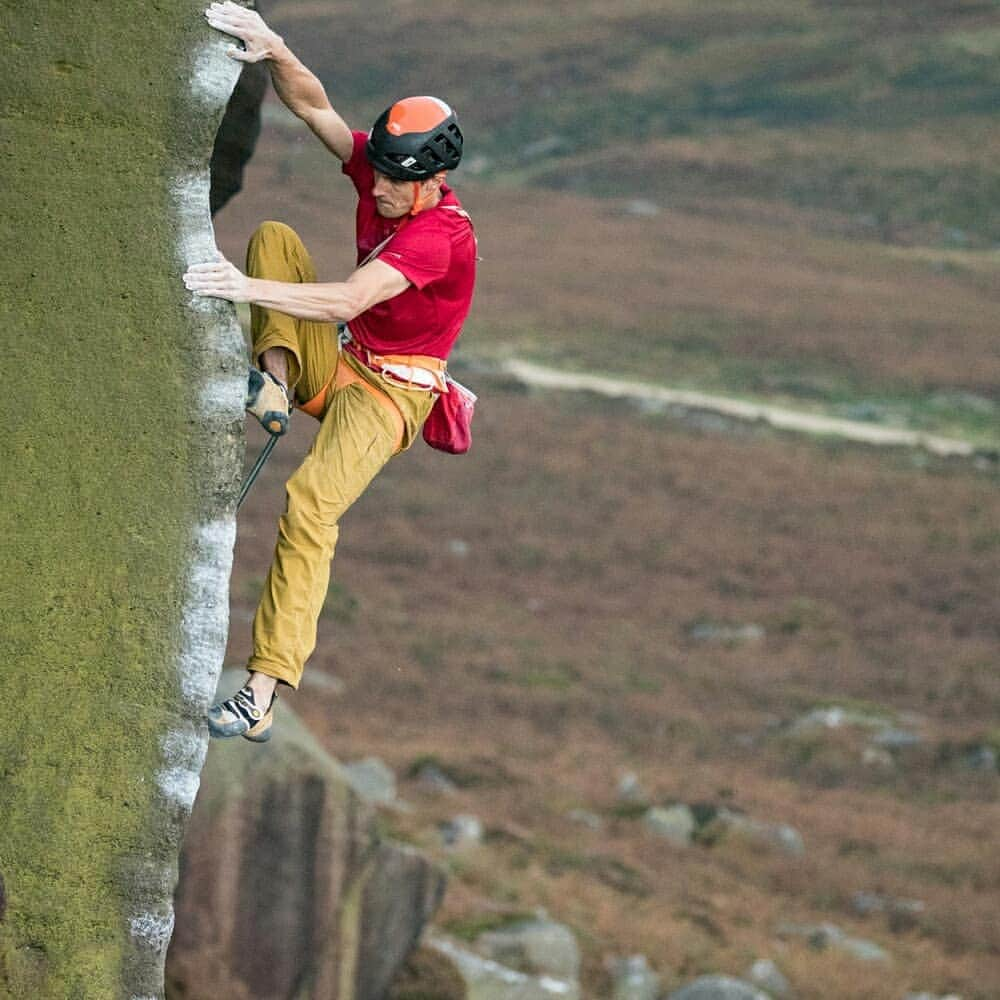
(333, 132)
(376, 282)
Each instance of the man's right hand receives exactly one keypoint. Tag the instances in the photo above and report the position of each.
(248, 26)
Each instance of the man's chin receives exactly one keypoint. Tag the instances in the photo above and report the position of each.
(389, 213)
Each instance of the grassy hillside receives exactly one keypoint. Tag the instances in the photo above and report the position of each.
(536, 620)
(782, 200)
(883, 113)
(786, 201)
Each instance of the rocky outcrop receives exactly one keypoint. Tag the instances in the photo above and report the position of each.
(237, 135)
(286, 889)
(122, 418)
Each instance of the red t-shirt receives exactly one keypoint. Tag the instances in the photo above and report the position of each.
(435, 250)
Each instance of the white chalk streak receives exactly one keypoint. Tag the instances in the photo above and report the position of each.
(205, 621)
(153, 930)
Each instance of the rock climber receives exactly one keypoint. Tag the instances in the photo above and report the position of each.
(366, 356)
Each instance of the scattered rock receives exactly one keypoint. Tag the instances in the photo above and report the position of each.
(877, 757)
(674, 823)
(902, 914)
(981, 758)
(462, 831)
(823, 936)
(780, 836)
(766, 974)
(586, 818)
(459, 548)
(486, 979)
(897, 739)
(630, 788)
(372, 779)
(838, 717)
(432, 779)
(642, 207)
(866, 903)
(931, 996)
(537, 947)
(633, 979)
(718, 988)
(713, 632)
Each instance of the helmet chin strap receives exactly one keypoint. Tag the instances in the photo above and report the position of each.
(418, 200)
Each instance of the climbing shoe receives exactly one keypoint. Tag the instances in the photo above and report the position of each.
(267, 400)
(242, 716)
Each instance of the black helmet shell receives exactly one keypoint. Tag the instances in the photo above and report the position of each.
(416, 138)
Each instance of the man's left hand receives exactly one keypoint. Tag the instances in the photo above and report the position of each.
(218, 279)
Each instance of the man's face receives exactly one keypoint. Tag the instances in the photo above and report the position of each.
(393, 198)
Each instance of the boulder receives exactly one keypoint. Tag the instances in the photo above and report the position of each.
(766, 974)
(486, 979)
(372, 779)
(823, 936)
(539, 947)
(286, 888)
(779, 836)
(633, 979)
(718, 988)
(462, 831)
(674, 823)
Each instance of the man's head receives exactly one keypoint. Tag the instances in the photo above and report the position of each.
(411, 145)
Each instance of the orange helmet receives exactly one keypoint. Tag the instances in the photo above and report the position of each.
(416, 138)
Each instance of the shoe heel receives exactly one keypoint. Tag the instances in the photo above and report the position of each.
(263, 731)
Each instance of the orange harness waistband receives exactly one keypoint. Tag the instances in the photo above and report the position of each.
(344, 375)
(382, 363)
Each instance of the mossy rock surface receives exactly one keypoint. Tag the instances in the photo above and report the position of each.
(117, 479)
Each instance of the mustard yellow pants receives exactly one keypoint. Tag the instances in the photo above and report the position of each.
(357, 435)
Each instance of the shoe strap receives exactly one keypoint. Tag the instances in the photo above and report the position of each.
(243, 703)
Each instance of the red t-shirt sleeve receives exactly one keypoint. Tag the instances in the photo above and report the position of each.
(357, 167)
(421, 252)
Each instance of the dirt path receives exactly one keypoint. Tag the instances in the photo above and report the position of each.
(736, 409)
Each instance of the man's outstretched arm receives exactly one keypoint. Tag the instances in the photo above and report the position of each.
(298, 88)
(330, 302)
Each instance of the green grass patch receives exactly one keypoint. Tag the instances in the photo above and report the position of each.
(470, 928)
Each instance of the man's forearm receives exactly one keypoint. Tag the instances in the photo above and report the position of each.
(297, 86)
(326, 302)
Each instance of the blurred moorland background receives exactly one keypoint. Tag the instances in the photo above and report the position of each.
(610, 618)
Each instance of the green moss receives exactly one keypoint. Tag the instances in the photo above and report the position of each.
(100, 476)
(469, 928)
